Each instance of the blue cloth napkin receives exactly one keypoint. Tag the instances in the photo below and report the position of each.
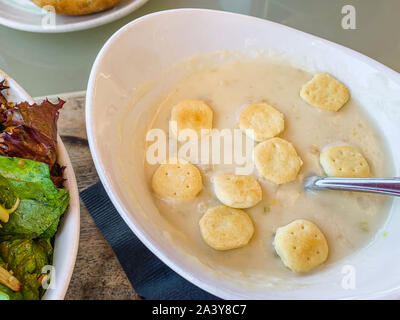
(149, 276)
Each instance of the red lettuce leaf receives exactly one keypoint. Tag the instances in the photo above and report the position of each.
(56, 175)
(30, 132)
(3, 99)
(27, 143)
(40, 118)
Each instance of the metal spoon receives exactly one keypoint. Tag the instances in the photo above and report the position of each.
(389, 186)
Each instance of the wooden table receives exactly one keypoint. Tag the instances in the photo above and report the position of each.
(97, 273)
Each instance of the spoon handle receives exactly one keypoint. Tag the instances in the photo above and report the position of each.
(389, 186)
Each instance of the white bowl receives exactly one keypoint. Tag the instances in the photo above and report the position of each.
(67, 236)
(139, 52)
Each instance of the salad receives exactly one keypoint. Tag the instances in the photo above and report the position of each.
(32, 197)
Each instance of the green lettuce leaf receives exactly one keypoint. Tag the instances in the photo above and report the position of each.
(26, 258)
(5, 292)
(41, 203)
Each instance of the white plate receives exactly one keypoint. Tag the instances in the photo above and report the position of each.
(141, 50)
(24, 15)
(67, 237)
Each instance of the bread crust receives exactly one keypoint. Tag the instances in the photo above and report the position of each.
(77, 7)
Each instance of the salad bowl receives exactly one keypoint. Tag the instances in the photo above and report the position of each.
(67, 236)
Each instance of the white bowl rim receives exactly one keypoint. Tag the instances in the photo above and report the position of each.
(82, 25)
(130, 221)
(74, 205)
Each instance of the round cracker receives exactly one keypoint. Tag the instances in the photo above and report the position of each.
(237, 191)
(301, 245)
(344, 161)
(224, 228)
(325, 92)
(181, 180)
(260, 121)
(277, 160)
(194, 115)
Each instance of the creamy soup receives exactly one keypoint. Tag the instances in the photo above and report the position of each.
(348, 220)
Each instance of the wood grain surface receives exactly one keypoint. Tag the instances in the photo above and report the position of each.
(97, 273)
